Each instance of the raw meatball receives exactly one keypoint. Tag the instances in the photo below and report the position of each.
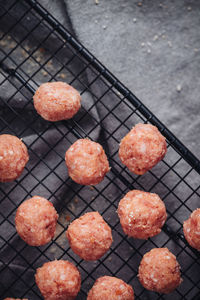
(87, 162)
(13, 157)
(56, 101)
(89, 236)
(107, 287)
(36, 220)
(58, 280)
(159, 271)
(141, 214)
(142, 148)
(191, 229)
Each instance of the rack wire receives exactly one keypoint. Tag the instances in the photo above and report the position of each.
(36, 48)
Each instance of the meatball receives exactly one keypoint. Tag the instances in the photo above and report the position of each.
(13, 157)
(142, 148)
(107, 287)
(141, 214)
(89, 236)
(58, 280)
(56, 101)
(159, 271)
(86, 162)
(36, 220)
(191, 229)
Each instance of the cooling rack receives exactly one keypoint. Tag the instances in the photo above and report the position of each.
(36, 48)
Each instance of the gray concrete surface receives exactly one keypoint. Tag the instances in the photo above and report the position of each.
(154, 49)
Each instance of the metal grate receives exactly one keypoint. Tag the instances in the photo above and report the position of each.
(35, 48)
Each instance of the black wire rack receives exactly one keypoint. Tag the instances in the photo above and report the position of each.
(36, 48)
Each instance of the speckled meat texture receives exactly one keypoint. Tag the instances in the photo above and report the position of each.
(107, 287)
(191, 229)
(159, 271)
(141, 214)
(142, 148)
(36, 220)
(87, 162)
(56, 101)
(89, 236)
(58, 280)
(13, 157)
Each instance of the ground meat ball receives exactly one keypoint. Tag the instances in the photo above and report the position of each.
(13, 157)
(191, 229)
(36, 220)
(58, 280)
(89, 236)
(141, 214)
(86, 162)
(110, 288)
(142, 148)
(56, 101)
(159, 271)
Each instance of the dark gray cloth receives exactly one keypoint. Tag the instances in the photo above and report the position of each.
(154, 49)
